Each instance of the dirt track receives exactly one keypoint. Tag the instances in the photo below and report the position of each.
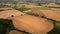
(32, 24)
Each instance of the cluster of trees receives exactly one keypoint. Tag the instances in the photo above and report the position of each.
(5, 26)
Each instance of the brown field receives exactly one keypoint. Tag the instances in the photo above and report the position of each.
(28, 23)
(52, 14)
(32, 24)
(56, 10)
(9, 13)
(15, 32)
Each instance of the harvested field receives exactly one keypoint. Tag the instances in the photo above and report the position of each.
(9, 13)
(32, 24)
(56, 10)
(15, 32)
(47, 13)
(51, 14)
(5, 9)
